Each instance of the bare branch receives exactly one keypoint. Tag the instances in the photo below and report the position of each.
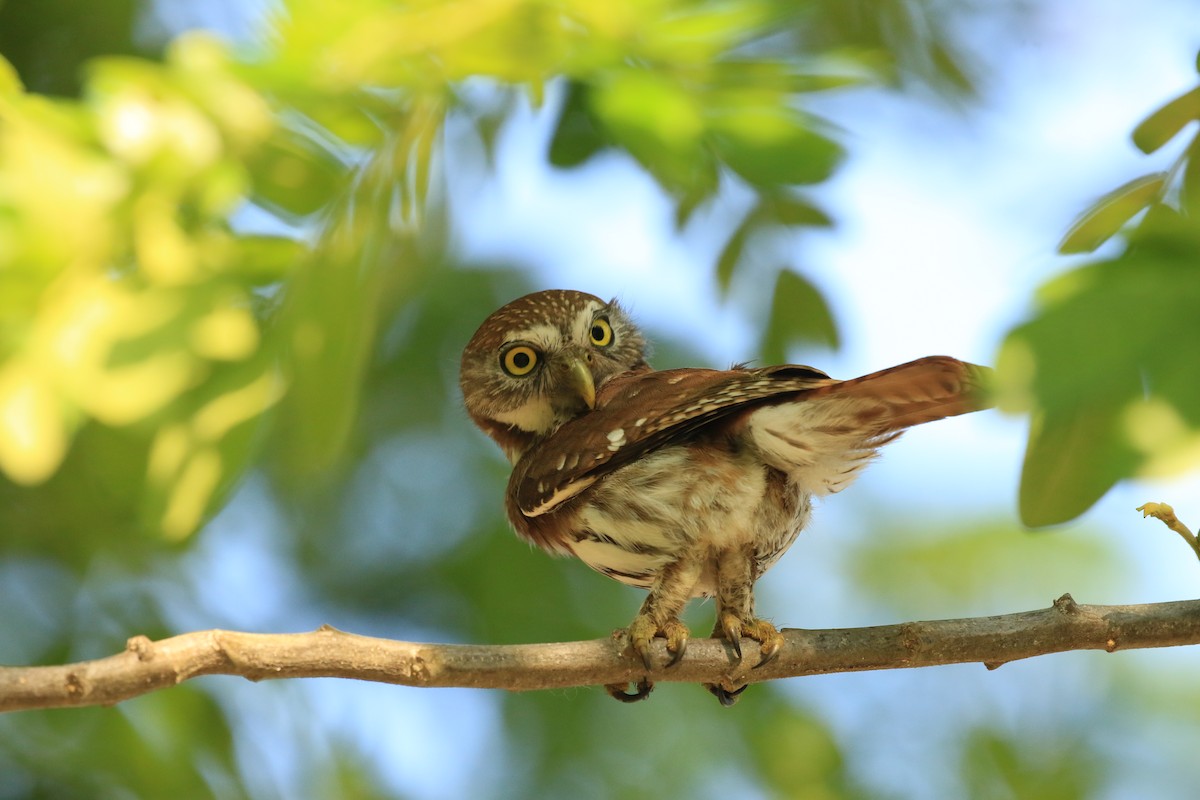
(146, 666)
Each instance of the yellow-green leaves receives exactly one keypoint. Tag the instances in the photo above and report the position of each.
(1096, 360)
(10, 82)
(132, 300)
(1161, 126)
(124, 289)
(1100, 222)
(1110, 213)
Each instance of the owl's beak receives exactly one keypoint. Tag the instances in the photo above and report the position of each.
(580, 378)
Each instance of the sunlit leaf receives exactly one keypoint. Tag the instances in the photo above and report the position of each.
(799, 315)
(1100, 222)
(1161, 126)
(657, 121)
(33, 432)
(772, 147)
(10, 81)
(192, 464)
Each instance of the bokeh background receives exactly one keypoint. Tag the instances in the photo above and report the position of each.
(393, 195)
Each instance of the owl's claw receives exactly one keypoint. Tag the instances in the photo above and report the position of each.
(732, 628)
(643, 630)
(617, 691)
(726, 696)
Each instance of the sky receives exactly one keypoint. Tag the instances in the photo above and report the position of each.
(947, 222)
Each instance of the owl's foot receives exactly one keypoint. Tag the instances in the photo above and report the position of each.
(732, 628)
(643, 630)
(727, 696)
(617, 691)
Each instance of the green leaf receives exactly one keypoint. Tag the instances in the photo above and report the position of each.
(296, 176)
(268, 259)
(799, 315)
(772, 146)
(731, 253)
(660, 123)
(796, 211)
(1100, 222)
(1071, 461)
(1112, 332)
(576, 137)
(1161, 126)
(1191, 179)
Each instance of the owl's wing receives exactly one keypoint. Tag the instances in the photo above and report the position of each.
(638, 413)
(823, 438)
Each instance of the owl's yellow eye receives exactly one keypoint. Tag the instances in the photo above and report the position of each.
(520, 360)
(601, 333)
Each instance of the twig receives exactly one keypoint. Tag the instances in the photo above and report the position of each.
(146, 666)
(1166, 514)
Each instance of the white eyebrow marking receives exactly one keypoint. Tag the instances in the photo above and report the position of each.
(583, 322)
(544, 335)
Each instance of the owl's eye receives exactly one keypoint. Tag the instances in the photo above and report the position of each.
(519, 361)
(601, 333)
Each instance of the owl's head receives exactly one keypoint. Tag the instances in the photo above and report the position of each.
(537, 362)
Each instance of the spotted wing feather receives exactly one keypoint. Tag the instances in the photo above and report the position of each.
(638, 413)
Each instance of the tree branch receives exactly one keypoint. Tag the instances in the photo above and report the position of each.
(146, 666)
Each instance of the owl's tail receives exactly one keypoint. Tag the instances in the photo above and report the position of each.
(925, 390)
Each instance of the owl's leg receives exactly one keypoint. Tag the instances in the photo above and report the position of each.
(659, 615)
(735, 614)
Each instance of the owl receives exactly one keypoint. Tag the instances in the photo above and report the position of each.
(684, 482)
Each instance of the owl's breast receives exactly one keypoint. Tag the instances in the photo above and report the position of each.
(685, 499)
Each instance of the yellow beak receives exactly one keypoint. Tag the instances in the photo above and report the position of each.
(580, 378)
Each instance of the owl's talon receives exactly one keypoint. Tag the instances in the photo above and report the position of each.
(730, 628)
(725, 696)
(769, 639)
(617, 691)
(766, 657)
(677, 654)
(643, 630)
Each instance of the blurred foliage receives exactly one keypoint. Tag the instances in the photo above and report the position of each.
(140, 296)
(49, 41)
(1105, 360)
(999, 767)
(220, 263)
(967, 567)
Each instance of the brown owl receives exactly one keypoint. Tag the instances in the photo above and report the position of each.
(685, 482)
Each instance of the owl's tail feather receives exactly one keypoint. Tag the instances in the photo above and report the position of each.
(925, 390)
